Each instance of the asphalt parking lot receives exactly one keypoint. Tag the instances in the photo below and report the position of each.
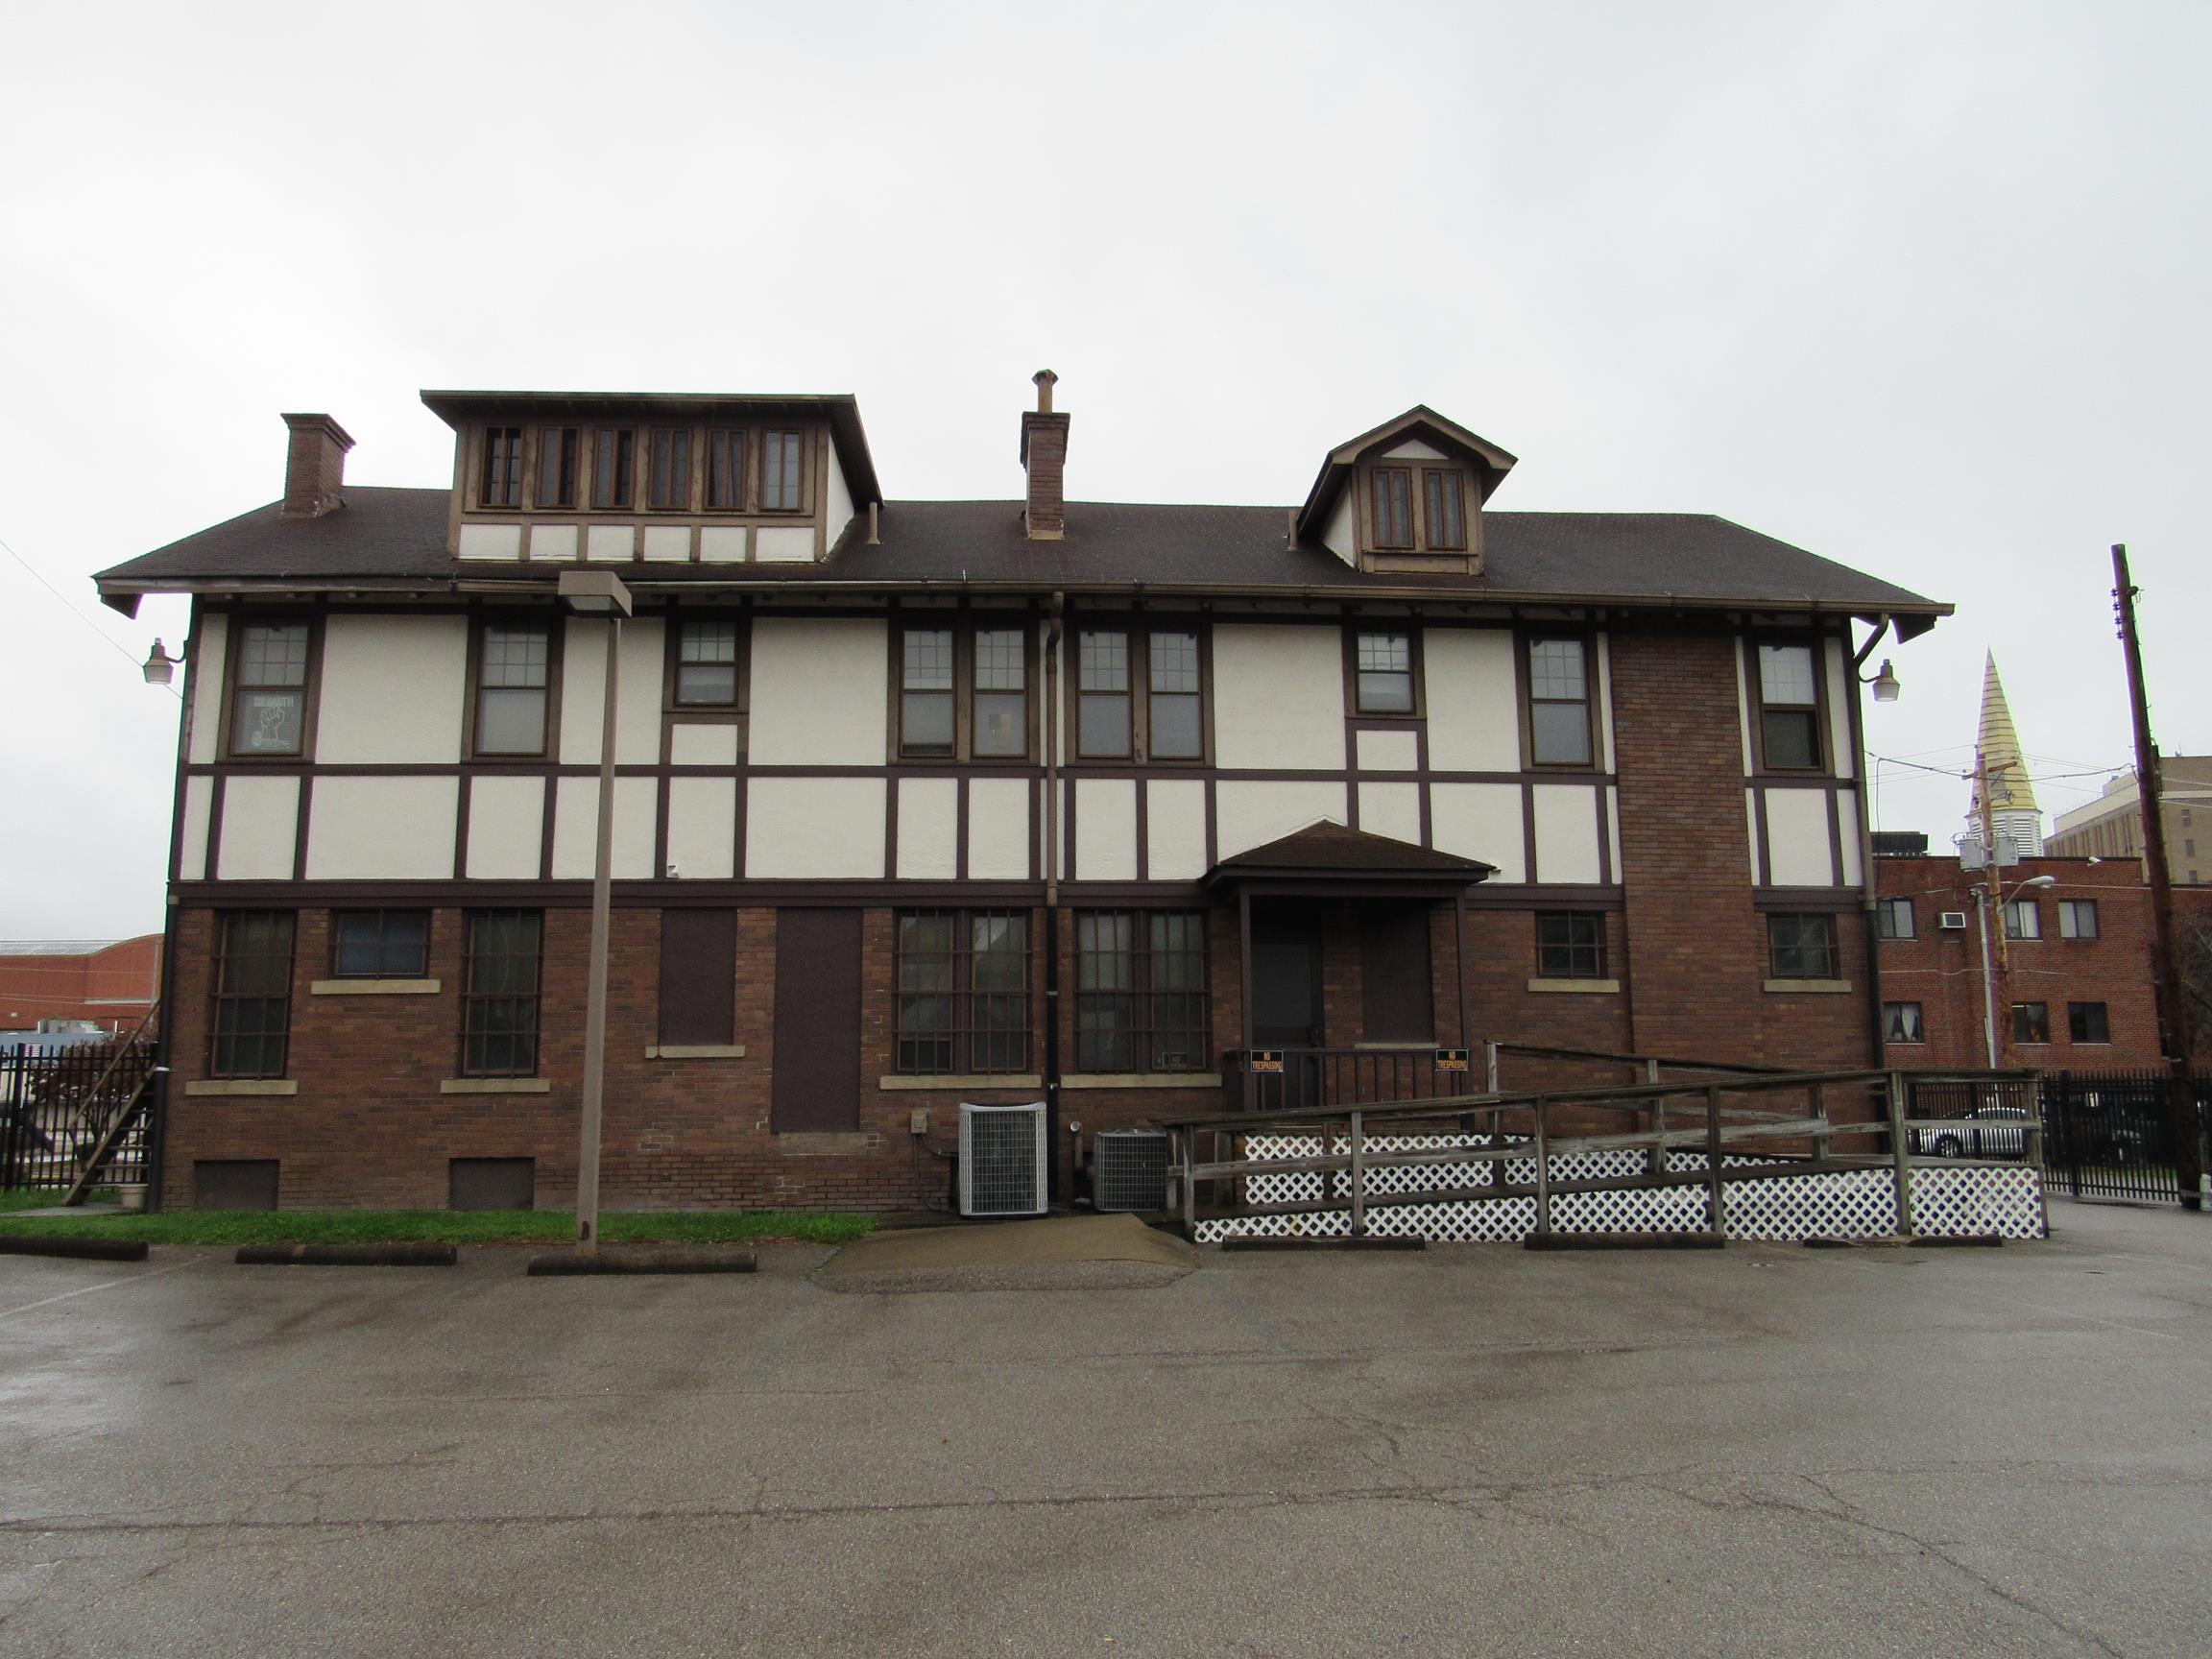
(1472, 1450)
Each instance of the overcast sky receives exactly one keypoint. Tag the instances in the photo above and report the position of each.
(1920, 287)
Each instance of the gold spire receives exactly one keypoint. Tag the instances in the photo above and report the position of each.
(2010, 789)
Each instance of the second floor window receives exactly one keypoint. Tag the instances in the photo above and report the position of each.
(1104, 726)
(669, 489)
(1393, 507)
(2077, 918)
(1140, 694)
(268, 707)
(1558, 703)
(252, 994)
(707, 664)
(1893, 919)
(1801, 946)
(380, 944)
(1570, 945)
(1900, 1023)
(557, 453)
(2023, 919)
(926, 691)
(1789, 708)
(964, 692)
(963, 991)
(613, 467)
(502, 481)
(1001, 693)
(1385, 673)
(2088, 1023)
(512, 670)
(2031, 1022)
(1175, 721)
(499, 994)
(782, 482)
(1141, 995)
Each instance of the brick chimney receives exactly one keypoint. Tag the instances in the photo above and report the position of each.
(1045, 458)
(314, 466)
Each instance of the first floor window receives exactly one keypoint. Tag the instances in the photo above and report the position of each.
(2031, 1022)
(268, 699)
(1140, 994)
(2087, 1022)
(1385, 674)
(1802, 946)
(1900, 1023)
(499, 998)
(380, 944)
(1570, 945)
(252, 994)
(512, 670)
(963, 987)
(2077, 918)
(1893, 919)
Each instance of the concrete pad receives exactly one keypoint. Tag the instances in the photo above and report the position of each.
(1054, 1252)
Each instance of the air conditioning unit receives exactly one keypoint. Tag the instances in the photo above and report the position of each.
(1951, 920)
(1002, 1154)
(1129, 1170)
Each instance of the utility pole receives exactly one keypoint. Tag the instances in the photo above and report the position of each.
(2173, 1004)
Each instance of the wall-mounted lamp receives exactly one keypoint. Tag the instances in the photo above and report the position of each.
(160, 667)
(1885, 683)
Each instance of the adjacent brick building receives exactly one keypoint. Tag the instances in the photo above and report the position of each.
(109, 983)
(919, 803)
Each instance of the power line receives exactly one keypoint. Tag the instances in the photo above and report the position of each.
(113, 642)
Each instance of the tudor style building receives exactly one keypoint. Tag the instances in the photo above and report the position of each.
(924, 802)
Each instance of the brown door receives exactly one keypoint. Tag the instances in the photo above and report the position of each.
(817, 1077)
(1286, 1004)
(1397, 992)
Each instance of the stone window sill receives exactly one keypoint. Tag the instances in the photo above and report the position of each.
(494, 1085)
(1573, 986)
(373, 987)
(695, 1052)
(219, 1087)
(1818, 987)
(981, 1080)
(1142, 1080)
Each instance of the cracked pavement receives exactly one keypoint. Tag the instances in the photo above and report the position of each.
(1478, 1450)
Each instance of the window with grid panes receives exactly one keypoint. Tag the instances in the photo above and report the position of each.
(1558, 703)
(1802, 946)
(269, 709)
(499, 994)
(1141, 992)
(1001, 710)
(926, 691)
(1103, 728)
(1570, 945)
(1175, 720)
(379, 944)
(1788, 708)
(670, 490)
(782, 482)
(1393, 507)
(557, 453)
(963, 989)
(252, 994)
(707, 664)
(1385, 673)
(726, 469)
(511, 675)
(502, 480)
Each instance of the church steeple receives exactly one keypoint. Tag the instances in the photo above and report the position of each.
(2012, 804)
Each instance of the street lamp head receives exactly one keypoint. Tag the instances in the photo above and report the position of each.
(594, 593)
(2040, 881)
(1885, 683)
(160, 667)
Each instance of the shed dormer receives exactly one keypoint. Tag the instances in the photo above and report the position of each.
(1408, 495)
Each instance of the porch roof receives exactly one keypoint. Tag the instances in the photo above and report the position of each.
(1328, 854)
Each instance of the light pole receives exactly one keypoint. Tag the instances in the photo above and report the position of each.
(1988, 978)
(597, 594)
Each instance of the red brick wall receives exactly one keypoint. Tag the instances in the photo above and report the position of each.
(115, 985)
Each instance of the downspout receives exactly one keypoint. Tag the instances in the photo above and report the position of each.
(1052, 898)
(1869, 900)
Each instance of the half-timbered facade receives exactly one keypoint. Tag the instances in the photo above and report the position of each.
(923, 801)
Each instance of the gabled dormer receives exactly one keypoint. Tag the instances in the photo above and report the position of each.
(620, 478)
(1408, 495)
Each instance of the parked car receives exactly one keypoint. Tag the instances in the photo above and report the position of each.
(1986, 1132)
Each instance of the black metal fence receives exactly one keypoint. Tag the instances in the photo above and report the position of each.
(2111, 1133)
(57, 1103)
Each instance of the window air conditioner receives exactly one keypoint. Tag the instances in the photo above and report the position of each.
(1003, 1155)
(1951, 920)
(1129, 1170)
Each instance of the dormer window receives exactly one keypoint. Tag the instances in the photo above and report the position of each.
(502, 466)
(556, 447)
(670, 488)
(725, 470)
(780, 476)
(1393, 507)
(1445, 498)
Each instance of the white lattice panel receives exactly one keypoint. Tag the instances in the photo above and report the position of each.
(1841, 1204)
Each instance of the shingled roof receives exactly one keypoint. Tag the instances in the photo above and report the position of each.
(396, 538)
(1326, 848)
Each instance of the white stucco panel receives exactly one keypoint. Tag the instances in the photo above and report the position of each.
(698, 743)
(637, 702)
(261, 824)
(1175, 830)
(1341, 534)
(1392, 810)
(490, 542)
(204, 684)
(723, 543)
(783, 544)
(1251, 814)
(383, 828)
(611, 544)
(506, 828)
(1105, 830)
(1752, 833)
(668, 544)
(999, 837)
(393, 689)
(1566, 832)
(1279, 696)
(1473, 708)
(1481, 821)
(552, 544)
(576, 828)
(928, 824)
(703, 827)
(191, 861)
(814, 828)
(838, 507)
(1839, 689)
(1388, 751)
(1847, 836)
(1799, 828)
(819, 689)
